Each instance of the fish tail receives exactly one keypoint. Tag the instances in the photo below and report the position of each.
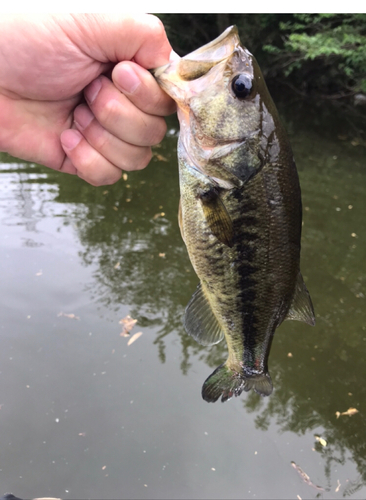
(227, 383)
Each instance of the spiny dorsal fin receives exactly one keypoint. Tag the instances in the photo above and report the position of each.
(301, 308)
(199, 320)
(217, 216)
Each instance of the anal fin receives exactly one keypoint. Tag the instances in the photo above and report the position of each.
(200, 321)
(301, 308)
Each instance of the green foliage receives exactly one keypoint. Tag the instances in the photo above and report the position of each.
(325, 52)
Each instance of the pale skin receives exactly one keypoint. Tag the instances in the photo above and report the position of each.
(75, 93)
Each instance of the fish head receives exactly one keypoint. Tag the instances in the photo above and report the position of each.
(219, 90)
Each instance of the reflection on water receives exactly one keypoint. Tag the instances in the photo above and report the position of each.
(128, 235)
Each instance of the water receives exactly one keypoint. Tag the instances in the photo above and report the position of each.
(84, 415)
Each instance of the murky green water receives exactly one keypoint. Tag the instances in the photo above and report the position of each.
(84, 415)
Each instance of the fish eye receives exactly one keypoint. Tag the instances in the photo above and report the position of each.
(242, 86)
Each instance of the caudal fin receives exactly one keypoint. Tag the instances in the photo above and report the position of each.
(227, 383)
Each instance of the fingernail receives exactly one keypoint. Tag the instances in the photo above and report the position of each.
(70, 139)
(127, 79)
(92, 90)
(82, 117)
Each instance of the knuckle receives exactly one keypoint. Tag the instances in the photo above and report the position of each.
(95, 173)
(157, 27)
(157, 132)
(101, 141)
(108, 112)
(141, 161)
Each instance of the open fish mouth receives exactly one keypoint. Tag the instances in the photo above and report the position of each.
(177, 77)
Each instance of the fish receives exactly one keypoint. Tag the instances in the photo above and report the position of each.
(240, 212)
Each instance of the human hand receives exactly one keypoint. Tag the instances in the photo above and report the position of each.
(50, 62)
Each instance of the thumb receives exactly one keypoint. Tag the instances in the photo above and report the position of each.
(117, 37)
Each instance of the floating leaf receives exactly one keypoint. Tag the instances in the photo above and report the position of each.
(70, 316)
(161, 158)
(160, 214)
(349, 412)
(321, 440)
(134, 337)
(128, 322)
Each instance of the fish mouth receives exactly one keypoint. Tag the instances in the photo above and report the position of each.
(179, 78)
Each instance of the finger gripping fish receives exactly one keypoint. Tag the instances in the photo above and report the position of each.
(240, 211)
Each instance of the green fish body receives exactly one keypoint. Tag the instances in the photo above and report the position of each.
(240, 211)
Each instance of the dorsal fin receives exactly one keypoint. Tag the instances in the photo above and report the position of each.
(301, 308)
(199, 320)
(217, 216)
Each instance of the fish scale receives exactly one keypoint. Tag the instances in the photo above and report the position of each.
(240, 211)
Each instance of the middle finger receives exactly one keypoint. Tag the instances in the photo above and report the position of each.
(121, 154)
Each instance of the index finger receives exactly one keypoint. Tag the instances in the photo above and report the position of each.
(142, 89)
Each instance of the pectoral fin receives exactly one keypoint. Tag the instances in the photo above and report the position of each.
(217, 216)
(199, 320)
(301, 308)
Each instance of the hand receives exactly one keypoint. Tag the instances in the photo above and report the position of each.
(50, 62)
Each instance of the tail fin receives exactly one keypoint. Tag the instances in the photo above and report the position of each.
(227, 383)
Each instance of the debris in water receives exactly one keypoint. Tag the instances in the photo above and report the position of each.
(124, 176)
(116, 266)
(321, 440)
(134, 337)
(40, 272)
(338, 486)
(159, 157)
(349, 412)
(160, 214)
(162, 255)
(305, 477)
(289, 355)
(128, 323)
(70, 316)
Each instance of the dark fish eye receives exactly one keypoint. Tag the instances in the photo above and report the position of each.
(242, 86)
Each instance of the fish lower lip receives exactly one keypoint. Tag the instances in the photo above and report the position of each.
(159, 71)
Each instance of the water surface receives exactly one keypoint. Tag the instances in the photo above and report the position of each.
(84, 415)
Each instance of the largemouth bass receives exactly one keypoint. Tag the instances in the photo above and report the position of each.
(240, 211)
